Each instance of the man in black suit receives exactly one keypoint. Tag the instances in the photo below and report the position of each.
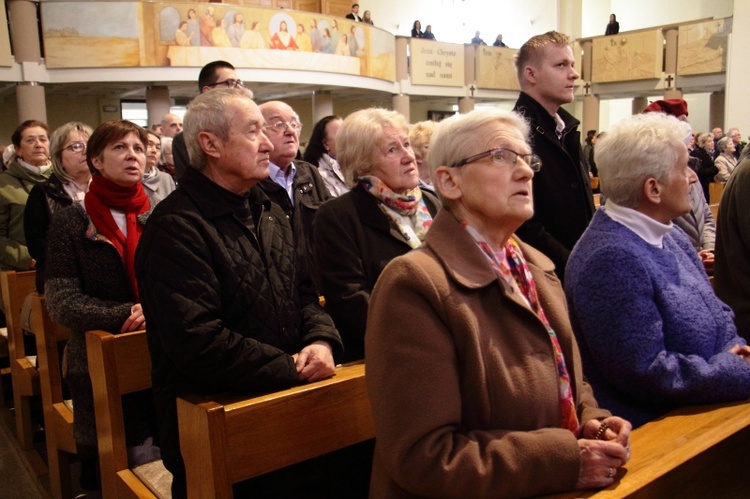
(354, 14)
(563, 204)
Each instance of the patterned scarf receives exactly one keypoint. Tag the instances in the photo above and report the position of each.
(511, 266)
(402, 209)
(104, 195)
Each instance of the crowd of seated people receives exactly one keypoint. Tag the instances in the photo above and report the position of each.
(389, 242)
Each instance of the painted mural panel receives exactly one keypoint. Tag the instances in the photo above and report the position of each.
(193, 34)
(631, 56)
(6, 59)
(435, 63)
(702, 47)
(495, 68)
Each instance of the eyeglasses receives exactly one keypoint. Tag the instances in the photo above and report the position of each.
(501, 156)
(228, 83)
(77, 147)
(281, 127)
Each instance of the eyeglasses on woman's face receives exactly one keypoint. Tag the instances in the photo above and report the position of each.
(76, 147)
(504, 156)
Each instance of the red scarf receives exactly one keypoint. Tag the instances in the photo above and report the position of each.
(104, 195)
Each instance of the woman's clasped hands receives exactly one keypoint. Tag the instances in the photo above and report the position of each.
(605, 447)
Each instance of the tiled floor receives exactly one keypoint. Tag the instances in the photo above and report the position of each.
(16, 480)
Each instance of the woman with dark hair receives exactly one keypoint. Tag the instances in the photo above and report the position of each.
(28, 166)
(613, 27)
(158, 184)
(588, 152)
(91, 276)
(321, 152)
(68, 184)
(704, 151)
(416, 30)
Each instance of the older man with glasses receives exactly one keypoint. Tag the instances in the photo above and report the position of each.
(293, 184)
(214, 75)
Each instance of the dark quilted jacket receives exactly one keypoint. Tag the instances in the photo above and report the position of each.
(310, 192)
(224, 309)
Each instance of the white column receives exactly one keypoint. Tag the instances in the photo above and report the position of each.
(157, 104)
(401, 105)
(322, 105)
(24, 33)
(738, 71)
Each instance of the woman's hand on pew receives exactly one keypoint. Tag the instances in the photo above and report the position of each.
(136, 321)
(315, 362)
(600, 460)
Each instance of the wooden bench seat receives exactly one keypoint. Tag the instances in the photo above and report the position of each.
(228, 439)
(120, 364)
(698, 451)
(24, 376)
(58, 413)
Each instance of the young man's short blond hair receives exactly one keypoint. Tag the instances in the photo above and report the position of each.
(530, 51)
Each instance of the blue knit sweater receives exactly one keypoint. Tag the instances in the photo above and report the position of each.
(652, 333)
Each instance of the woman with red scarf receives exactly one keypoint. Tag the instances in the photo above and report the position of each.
(90, 272)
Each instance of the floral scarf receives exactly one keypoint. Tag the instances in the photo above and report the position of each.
(407, 211)
(511, 266)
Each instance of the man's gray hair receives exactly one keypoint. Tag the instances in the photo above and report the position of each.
(207, 113)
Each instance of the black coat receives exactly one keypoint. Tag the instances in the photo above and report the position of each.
(354, 241)
(707, 170)
(226, 307)
(44, 200)
(310, 192)
(563, 203)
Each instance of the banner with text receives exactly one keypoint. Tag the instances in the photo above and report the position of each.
(435, 63)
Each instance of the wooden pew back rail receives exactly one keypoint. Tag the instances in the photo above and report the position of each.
(227, 440)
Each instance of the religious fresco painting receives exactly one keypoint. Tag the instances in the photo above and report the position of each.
(136, 34)
(702, 47)
(631, 56)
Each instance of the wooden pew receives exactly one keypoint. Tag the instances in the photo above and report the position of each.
(120, 364)
(715, 190)
(229, 439)
(58, 415)
(24, 377)
(698, 451)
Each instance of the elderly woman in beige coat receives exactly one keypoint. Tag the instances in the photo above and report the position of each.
(472, 368)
